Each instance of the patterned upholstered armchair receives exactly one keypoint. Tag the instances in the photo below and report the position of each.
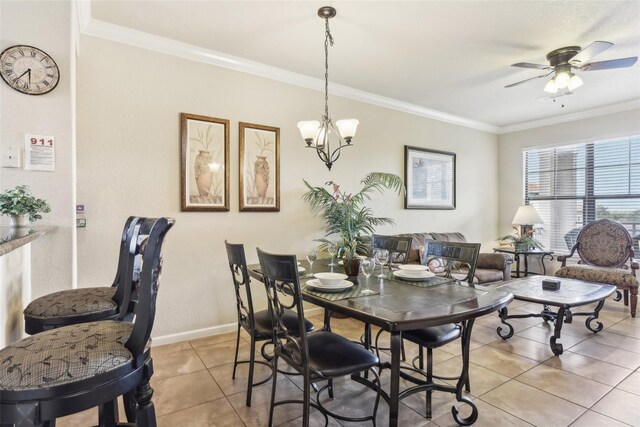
(606, 254)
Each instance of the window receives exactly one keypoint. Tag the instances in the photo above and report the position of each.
(573, 185)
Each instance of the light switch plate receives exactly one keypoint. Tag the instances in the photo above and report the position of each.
(10, 157)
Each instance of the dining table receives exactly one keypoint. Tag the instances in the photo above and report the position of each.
(396, 305)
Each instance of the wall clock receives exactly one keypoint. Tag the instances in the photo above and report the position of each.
(29, 70)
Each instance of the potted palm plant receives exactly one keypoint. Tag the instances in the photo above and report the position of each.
(21, 206)
(346, 215)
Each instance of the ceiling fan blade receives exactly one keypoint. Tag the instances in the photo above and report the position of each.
(529, 79)
(589, 52)
(529, 65)
(612, 63)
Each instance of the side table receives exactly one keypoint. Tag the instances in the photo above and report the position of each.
(525, 255)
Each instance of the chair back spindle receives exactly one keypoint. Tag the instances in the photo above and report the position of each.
(144, 308)
(282, 284)
(445, 257)
(398, 246)
(242, 284)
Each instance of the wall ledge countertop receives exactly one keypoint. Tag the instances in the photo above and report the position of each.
(11, 238)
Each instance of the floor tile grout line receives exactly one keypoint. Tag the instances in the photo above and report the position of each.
(570, 373)
(597, 360)
(606, 415)
(224, 395)
(546, 392)
(500, 409)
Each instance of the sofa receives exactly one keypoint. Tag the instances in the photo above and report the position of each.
(491, 267)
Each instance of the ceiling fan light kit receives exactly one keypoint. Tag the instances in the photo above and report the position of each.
(563, 61)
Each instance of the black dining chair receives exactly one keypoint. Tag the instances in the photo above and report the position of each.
(257, 324)
(446, 258)
(82, 305)
(398, 247)
(73, 368)
(317, 356)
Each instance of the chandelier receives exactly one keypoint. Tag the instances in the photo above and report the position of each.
(328, 140)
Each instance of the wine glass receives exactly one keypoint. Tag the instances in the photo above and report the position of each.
(312, 255)
(332, 248)
(381, 255)
(367, 265)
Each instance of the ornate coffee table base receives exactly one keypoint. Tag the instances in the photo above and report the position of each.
(564, 315)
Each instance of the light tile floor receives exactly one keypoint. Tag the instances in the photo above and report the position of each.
(518, 382)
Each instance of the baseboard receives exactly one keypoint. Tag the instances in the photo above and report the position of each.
(207, 332)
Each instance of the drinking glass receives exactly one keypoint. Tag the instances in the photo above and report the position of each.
(382, 255)
(312, 255)
(367, 265)
(332, 248)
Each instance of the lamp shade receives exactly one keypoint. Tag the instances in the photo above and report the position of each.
(347, 128)
(575, 82)
(562, 80)
(527, 215)
(551, 86)
(309, 129)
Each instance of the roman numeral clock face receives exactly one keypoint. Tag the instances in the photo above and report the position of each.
(29, 70)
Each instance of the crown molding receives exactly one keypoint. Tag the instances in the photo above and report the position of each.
(587, 114)
(117, 33)
(96, 28)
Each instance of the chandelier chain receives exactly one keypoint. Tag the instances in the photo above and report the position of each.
(327, 40)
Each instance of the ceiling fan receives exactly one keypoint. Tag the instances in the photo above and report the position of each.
(563, 61)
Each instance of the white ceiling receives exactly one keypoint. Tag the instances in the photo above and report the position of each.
(451, 56)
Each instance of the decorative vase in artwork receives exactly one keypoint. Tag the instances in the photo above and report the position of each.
(203, 173)
(261, 168)
(20, 220)
(351, 267)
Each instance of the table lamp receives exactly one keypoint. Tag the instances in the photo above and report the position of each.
(525, 217)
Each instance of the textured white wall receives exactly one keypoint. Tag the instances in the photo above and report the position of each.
(128, 156)
(46, 25)
(512, 144)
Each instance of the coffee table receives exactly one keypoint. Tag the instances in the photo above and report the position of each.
(572, 293)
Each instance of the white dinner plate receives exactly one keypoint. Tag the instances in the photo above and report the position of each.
(423, 276)
(316, 284)
(301, 269)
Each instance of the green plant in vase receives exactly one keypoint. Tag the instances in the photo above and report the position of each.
(21, 206)
(346, 215)
(522, 242)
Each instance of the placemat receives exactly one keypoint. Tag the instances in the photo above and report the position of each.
(353, 292)
(431, 281)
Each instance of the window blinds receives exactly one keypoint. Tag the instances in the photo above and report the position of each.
(572, 185)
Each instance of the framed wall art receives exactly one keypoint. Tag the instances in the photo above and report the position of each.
(430, 177)
(205, 163)
(259, 168)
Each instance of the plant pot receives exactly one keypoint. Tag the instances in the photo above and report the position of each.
(521, 247)
(351, 267)
(20, 220)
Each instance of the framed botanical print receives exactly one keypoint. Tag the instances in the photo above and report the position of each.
(204, 163)
(259, 168)
(430, 178)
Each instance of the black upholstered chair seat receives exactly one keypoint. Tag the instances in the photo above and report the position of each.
(333, 355)
(434, 336)
(264, 325)
(41, 364)
(73, 302)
